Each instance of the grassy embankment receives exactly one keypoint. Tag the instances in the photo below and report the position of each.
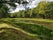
(34, 28)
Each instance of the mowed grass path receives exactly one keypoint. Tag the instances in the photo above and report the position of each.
(34, 19)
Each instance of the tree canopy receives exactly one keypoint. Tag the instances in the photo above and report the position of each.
(43, 10)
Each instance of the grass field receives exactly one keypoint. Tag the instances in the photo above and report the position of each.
(26, 29)
(44, 22)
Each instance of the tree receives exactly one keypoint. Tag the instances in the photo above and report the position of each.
(3, 7)
(3, 11)
(11, 3)
(41, 9)
(50, 10)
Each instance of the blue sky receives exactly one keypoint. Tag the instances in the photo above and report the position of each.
(32, 4)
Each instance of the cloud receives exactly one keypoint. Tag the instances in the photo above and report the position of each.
(32, 4)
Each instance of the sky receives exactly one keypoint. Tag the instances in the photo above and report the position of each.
(31, 4)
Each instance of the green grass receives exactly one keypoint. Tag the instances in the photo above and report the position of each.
(42, 31)
(11, 34)
(41, 27)
(34, 29)
(34, 19)
(45, 22)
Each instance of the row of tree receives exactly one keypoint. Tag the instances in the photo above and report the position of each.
(43, 10)
(4, 10)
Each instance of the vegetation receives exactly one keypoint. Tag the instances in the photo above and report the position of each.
(40, 32)
(43, 10)
(4, 10)
(28, 24)
(12, 34)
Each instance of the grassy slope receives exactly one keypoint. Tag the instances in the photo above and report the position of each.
(30, 21)
(4, 25)
(19, 33)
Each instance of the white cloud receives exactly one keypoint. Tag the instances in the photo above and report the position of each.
(32, 4)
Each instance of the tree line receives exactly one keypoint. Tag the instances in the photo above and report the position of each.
(43, 10)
